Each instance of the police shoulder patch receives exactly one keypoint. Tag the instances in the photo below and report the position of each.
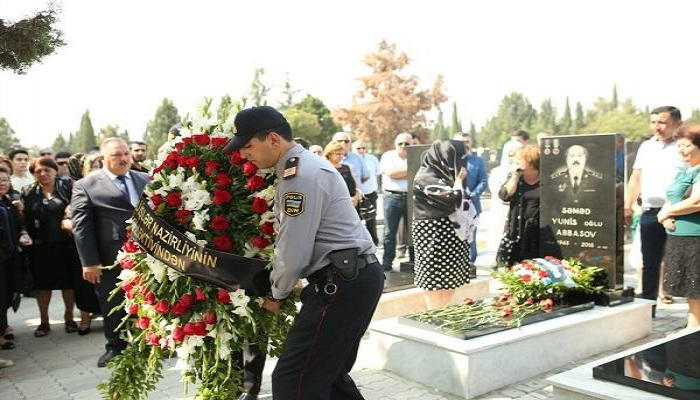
(294, 203)
(291, 168)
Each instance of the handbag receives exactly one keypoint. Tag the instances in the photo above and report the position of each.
(504, 255)
(367, 209)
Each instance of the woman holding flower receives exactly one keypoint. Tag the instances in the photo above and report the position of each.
(681, 218)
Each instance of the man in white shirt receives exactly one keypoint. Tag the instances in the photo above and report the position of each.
(21, 177)
(654, 169)
(517, 140)
(394, 167)
(369, 188)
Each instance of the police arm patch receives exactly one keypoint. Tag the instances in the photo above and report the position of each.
(294, 203)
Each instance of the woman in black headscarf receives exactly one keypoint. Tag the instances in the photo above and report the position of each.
(441, 257)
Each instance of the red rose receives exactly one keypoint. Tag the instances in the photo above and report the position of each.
(236, 158)
(127, 286)
(507, 312)
(255, 182)
(130, 246)
(219, 223)
(162, 307)
(526, 278)
(130, 294)
(187, 300)
(127, 263)
(201, 140)
(188, 329)
(174, 199)
(187, 140)
(200, 328)
(179, 308)
(156, 199)
(223, 243)
(218, 142)
(150, 298)
(267, 228)
(143, 323)
(260, 205)
(134, 309)
(222, 181)
(221, 197)
(223, 297)
(199, 294)
(212, 166)
(144, 290)
(249, 168)
(210, 317)
(260, 242)
(178, 334)
(192, 162)
(152, 339)
(183, 216)
(179, 146)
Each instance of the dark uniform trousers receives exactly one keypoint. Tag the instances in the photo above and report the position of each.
(322, 344)
(108, 281)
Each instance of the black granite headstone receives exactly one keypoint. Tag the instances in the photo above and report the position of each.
(580, 203)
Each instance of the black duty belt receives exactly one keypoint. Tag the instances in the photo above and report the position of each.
(395, 192)
(325, 272)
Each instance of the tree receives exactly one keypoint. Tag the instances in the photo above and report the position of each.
(306, 125)
(112, 131)
(694, 117)
(515, 112)
(439, 130)
(633, 124)
(258, 90)
(613, 102)
(389, 102)
(566, 122)
(8, 140)
(60, 144)
(314, 105)
(456, 123)
(222, 113)
(580, 120)
(157, 130)
(547, 118)
(28, 41)
(85, 137)
(288, 94)
(472, 130)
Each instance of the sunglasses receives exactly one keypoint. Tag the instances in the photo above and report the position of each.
(360, 148)
(402, 144)
(45, 154)
(343, 141)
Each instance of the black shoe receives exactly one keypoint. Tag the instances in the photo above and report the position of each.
(7, 346)
(108, 355)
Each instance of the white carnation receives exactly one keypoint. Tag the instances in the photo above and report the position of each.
(196, 200)
(157, 268)
(200, 217)
(127, 275)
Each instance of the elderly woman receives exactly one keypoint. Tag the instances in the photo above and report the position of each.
(681, 218)
(53, 257)
(335, 153)
(441, 255)
(522, 191)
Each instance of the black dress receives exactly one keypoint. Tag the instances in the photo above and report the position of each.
(349, 179)
(523, 223)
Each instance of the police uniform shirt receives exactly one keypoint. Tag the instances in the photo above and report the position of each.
(316, 217)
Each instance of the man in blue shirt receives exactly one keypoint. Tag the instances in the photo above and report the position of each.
(475, 184)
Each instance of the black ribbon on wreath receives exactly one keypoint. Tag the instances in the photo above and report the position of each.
(228, 271)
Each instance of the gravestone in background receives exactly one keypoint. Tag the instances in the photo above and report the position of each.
(581, 205)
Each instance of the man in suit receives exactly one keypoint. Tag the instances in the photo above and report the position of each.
(101, 204)
(474, 185)
(575, 181)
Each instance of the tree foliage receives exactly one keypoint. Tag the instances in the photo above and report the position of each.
(566, 123)
(389, 101)
(515, 112)
(306, 125)
(8, 140)
(28, 41)
(314, 106)
(547, 118)
(166, 117)
(440, 131)
(60, 143)
(456, 125)
(580, 119)
(85, 137)
(112, 130)
(258, 89)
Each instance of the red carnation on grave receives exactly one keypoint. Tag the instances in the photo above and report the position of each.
(260, 242)
(179, 146)
(127, 286)
(157, 199)
(201, 140)
(179, 308)
(255, 182)
(223, 243)
(134, 309)
(152, 339)
(143, 322)
(212, 167)
(236, 158)
(199, 294)
(183, 216)
(218, 142)
(249, 168)
(195, 329)
(192, 162)
(187, 300)
(221, 197)
(526, 278)
(267, 228)
(130, 246)
(163, 306)
(543, 274)
(178, 334)
(223, 297)
(468, 301)
(127, 263)
(220, 223)
(223, 181)
(174, 199)
(210, 317)
(260, 205)
(150, 298)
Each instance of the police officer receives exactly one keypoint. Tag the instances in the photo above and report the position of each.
(321, 239)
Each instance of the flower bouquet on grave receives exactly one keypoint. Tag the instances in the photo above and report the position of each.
(202, 206)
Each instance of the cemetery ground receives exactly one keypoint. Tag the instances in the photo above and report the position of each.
(63, 366)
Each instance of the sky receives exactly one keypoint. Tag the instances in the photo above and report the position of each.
(123, 57)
